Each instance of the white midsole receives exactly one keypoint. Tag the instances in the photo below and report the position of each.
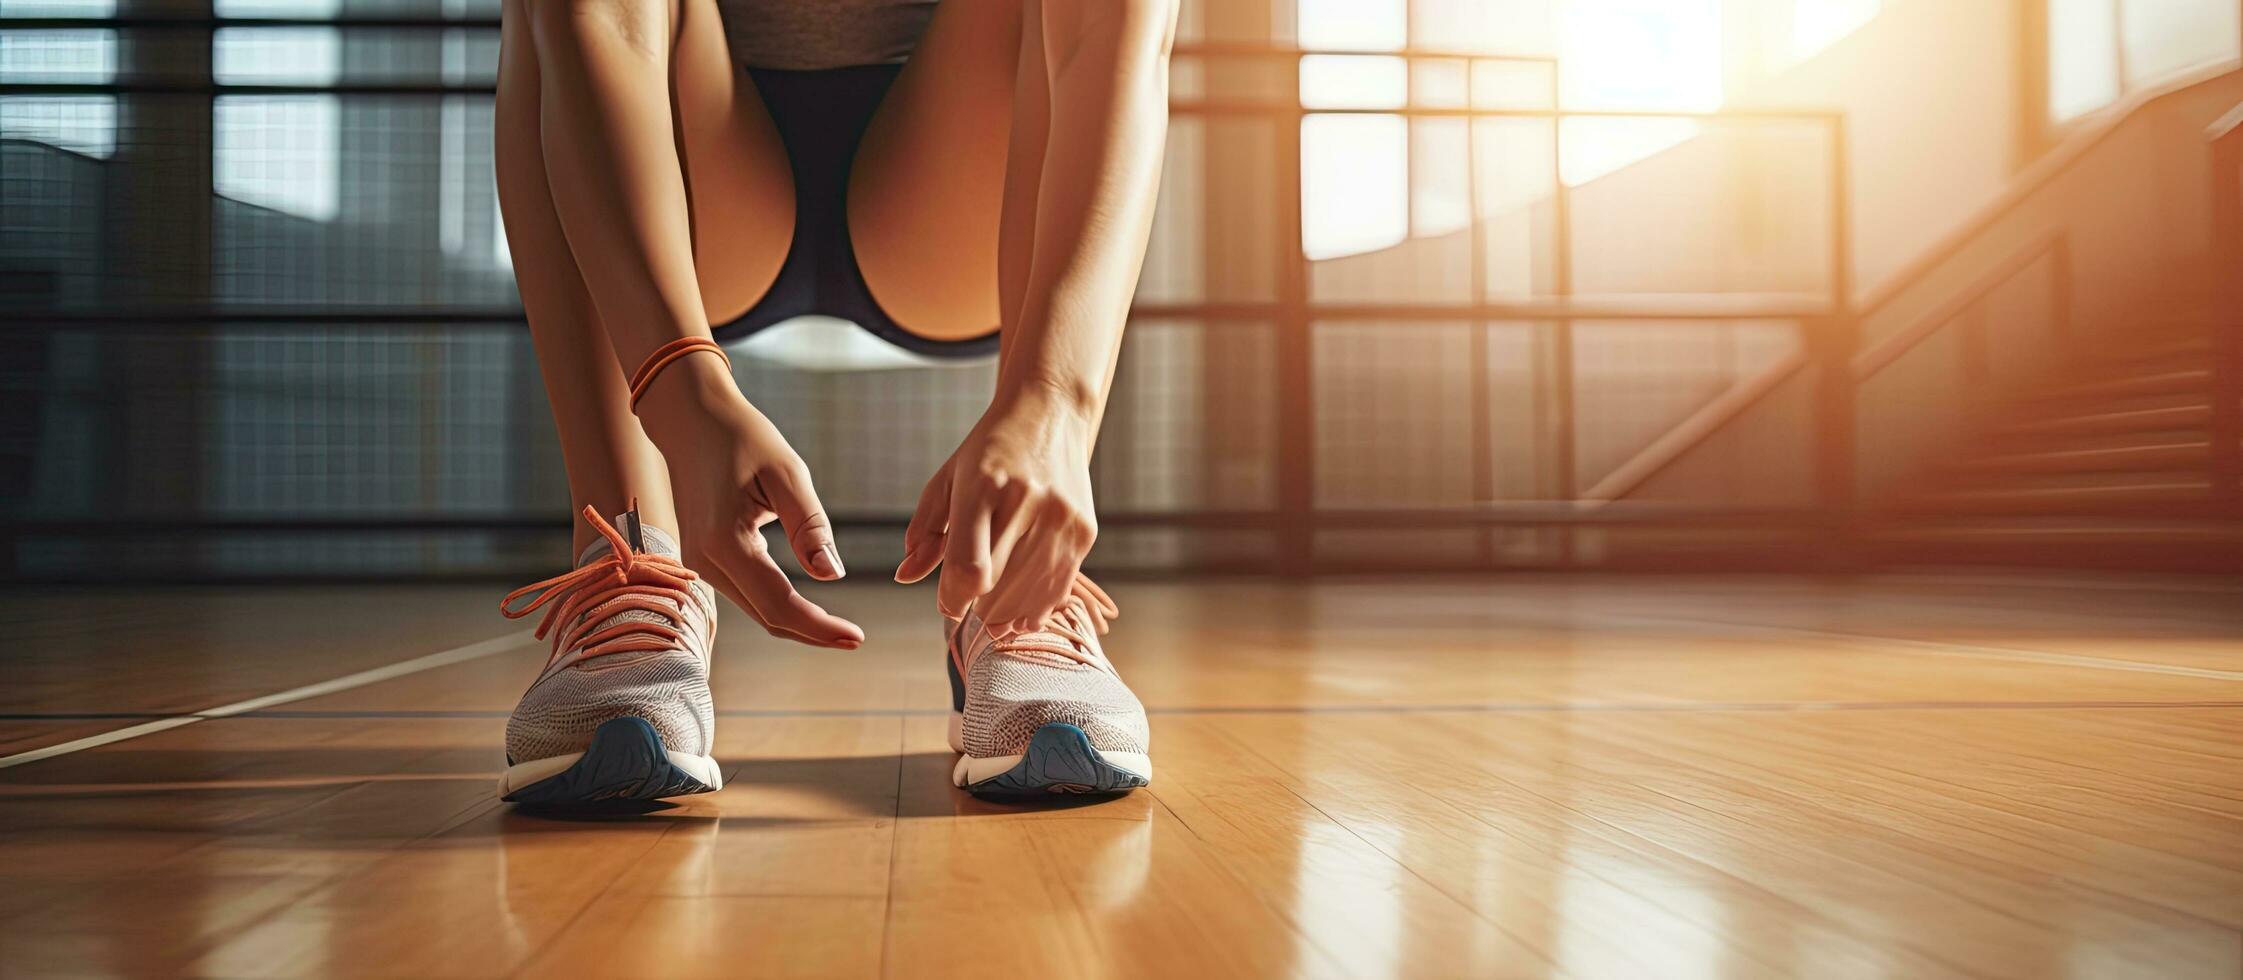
(973, 769)
(520, 776)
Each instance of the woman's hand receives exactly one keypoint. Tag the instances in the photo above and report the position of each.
(1009, 517)
(731, 472)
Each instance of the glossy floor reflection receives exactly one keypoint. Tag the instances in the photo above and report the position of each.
(1626, 777)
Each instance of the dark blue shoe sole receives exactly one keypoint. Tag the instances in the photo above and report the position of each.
(626, 761)
(1059, 760)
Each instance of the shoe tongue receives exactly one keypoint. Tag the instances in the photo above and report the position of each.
(651, 540)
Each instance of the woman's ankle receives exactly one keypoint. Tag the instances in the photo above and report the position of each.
(652, 511)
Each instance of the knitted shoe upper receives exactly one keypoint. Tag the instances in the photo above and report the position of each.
(1015, 686)
(636, 632)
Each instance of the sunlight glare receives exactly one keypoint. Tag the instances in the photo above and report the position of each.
(1349, 81)
(283, 151)
(1661, 55)
(1641, 54)
(1818, 24)
(83, 124)
(1635, 54)
(1353, 25)
(1354, 184)
(2082, 66)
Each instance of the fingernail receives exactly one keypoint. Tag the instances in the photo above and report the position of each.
(826, 562)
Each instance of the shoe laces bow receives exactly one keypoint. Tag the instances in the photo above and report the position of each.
(620, 581)
(1089, 612)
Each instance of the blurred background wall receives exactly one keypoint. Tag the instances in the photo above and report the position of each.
(1433, 284)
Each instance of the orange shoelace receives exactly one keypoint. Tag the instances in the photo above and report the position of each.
(1093, 609)
(622, 580)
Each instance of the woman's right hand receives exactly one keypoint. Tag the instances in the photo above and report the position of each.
(731, 472)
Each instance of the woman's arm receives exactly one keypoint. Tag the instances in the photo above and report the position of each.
(1011, 516)
(1108, 128)
(606, 131)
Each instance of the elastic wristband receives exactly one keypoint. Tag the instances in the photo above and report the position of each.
(662, 357)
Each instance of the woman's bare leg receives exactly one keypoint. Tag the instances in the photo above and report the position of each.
(1010, 517)
(932, 175)
(610, 132)
(1024, 172)
(609, 459)
(622, 104)
(730, 153)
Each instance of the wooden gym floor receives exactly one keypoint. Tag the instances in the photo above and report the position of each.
(1589, 777)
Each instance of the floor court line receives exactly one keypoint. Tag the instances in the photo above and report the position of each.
(442, 658)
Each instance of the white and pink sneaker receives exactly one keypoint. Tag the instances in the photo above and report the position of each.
(1045, 712)
(621, 710)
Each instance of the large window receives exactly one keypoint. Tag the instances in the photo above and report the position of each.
(1610, 54)
(2099, 50)
(80, 123)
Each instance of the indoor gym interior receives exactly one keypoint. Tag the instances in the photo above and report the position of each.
(1595, 488)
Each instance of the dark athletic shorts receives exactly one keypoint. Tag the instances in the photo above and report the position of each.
(821, 116)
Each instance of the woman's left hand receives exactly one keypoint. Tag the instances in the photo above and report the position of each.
(1009, 516)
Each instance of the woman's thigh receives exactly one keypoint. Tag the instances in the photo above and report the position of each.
(739, 184)
(926, 189)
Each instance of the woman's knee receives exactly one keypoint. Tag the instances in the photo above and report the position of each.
(1142, 27)
(643, 26)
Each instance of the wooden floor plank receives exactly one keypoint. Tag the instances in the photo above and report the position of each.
(785, 874)
(2017, 822)
(169, 845)
(1734, 777)
(1592, 894)
(1122, 888)
(184, 649)
(1983, 914)
(1358, 905)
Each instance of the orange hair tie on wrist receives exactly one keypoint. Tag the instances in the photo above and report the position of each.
(662, 357)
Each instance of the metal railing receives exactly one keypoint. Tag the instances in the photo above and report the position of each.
(1964, 310)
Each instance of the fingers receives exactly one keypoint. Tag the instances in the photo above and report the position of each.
(967, 572)
(790, 494)
(1037, 576)
(718, 580)
(763, 591)
(923, 539)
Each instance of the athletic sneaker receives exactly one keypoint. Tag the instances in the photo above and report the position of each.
(1045, 712)
(622, 710)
